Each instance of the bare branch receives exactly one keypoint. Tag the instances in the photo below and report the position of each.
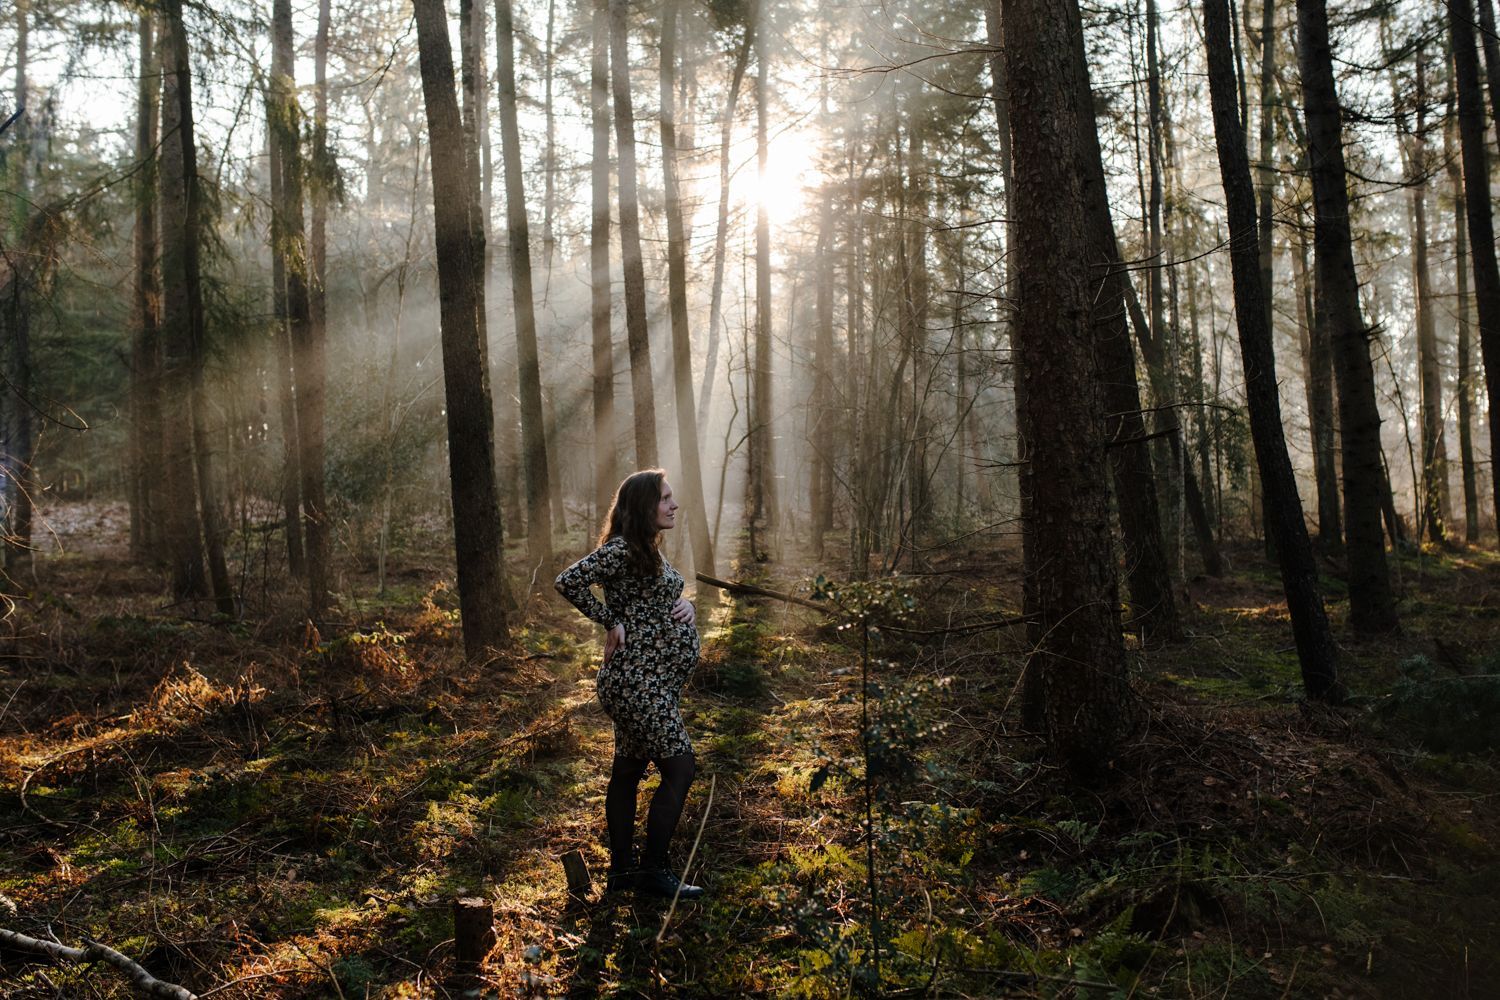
(95, 951)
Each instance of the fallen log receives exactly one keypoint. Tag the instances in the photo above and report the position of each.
(752, 590)
(95, 951)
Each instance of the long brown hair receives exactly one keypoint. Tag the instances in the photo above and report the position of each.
(632, 516)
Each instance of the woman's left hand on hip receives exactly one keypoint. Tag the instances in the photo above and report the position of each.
(683, 611)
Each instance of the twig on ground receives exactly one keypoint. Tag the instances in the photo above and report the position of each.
(242, 979)
(6, 708)
(324, 967)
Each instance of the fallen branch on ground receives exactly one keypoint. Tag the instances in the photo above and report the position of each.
(828, 609)
(94, 951)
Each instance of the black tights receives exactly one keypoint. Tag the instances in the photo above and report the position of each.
(666, 807)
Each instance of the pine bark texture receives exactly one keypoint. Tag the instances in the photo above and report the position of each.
(1088, 701)
(471, 436)
(1372, 605)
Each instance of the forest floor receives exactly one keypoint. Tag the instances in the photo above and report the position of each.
(257, 808)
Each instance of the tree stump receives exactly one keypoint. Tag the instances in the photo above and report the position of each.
(577, 871)
(473, 936)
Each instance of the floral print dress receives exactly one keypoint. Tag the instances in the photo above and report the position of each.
(640, 685)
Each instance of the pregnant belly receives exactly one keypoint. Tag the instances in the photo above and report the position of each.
(664, 647)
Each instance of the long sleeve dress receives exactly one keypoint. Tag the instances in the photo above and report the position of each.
(640, 685)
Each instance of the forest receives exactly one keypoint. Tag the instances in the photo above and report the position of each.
(1081, 423)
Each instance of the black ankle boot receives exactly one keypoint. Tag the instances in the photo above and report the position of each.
(662, 883)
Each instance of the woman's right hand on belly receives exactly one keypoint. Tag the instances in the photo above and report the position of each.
(613, 640)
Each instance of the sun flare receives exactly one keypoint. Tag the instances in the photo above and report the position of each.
(791, 169)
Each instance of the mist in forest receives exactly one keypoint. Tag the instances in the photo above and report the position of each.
(839, 187)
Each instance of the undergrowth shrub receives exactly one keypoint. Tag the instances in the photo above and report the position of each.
(377, 655)
(909, 832)
(439, 620)
(1444, 713)
(187, 696)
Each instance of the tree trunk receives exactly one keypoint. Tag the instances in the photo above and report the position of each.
(1491, 48)
(823, 395)
(528, 369)
(1395, 524)
(1154, 273)
(860, 363)
(549, 157)
(307, 346)
(721, 230)
(1433, 513)
(962, 404)
(208, 493)
(691, 475)
(918, 474)
(1082, 661)
(762, 506)
(1148, 570)
(1318, 375)
(1372, 605)
(476, 107)
(605, 474)
(1465, 350)
(637, 327)
(145, 350)
(1265, 166)
(21, 485)
(1033, 697)
(1284, 523)
(1480, 214)
(196, 532)
(184, 541)
(1153, 352)
(281, 355)
(471, 440)
(1211, 500)
(323, 173)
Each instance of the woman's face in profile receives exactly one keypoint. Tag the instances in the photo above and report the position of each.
(666, 508)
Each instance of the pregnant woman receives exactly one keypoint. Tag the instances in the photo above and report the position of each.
(650, 648)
